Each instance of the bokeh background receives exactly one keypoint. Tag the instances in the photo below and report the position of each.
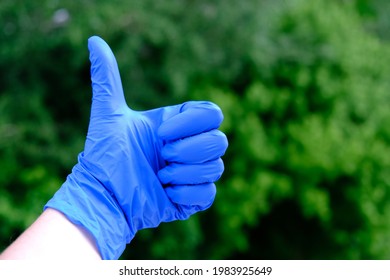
(304, 87)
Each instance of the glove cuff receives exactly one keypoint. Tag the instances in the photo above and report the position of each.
(85, 202)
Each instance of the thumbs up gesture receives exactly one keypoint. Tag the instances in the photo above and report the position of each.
(139, 169)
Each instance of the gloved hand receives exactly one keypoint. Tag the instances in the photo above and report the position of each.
(139, 169)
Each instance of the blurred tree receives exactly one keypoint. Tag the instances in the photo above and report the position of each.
(308, 166)
(375, 16)
(303, 86)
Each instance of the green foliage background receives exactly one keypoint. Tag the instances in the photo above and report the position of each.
(304, 87)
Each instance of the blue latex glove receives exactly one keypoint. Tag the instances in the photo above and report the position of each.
(139, 169)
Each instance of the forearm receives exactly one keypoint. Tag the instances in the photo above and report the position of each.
(48, 237)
